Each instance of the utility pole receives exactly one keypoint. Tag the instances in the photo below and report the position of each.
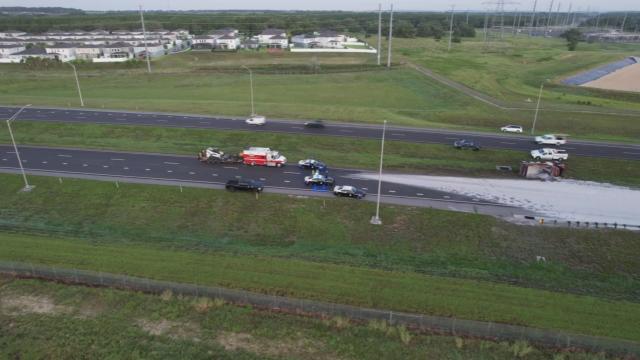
(558, 14)
(379, 33)
(566, 22)
(513, 27)
(376, 219)
(598, 21)
(390, 37)
(486, 23)
(546, 28)
(75, 73)
(467, 21)
(535, 117)
(624, 20)
(144, 36)
(253, 110)
(533, 16)
(26, 187)
(451, 27)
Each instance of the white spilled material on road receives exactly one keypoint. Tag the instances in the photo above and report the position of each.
(564, 199)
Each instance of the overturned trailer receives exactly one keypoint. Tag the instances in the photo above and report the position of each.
(542, 170)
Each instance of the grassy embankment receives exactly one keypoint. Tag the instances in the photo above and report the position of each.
(336, 151)
(44, 320)
(347, 87)
(331, 253)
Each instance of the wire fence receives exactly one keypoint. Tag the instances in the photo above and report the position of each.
(434, 324)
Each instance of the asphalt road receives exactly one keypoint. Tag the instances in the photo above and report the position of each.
(417, 135)
(188, 171)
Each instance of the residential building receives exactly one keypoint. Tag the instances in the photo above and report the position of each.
(228, 42)
(34, 52)
(203, 42)
(88, 52)
(63, 51)
(274, 38)
(118, 50)
(6, 50)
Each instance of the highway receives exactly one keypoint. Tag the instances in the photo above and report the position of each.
(188, 171)
(416, 135)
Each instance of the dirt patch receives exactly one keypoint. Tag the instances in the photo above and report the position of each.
(625, 79)
(27, 304)
(172, 329)
(297, 348)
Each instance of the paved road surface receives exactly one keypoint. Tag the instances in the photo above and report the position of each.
(187, 171)
(512, 142)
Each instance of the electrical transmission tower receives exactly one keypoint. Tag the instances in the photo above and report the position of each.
(500, 12)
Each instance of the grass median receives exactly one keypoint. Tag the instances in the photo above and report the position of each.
(336, 151)
(413, 240)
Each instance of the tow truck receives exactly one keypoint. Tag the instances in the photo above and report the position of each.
(214, 155)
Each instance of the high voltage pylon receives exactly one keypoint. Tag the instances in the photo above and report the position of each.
(499, 12)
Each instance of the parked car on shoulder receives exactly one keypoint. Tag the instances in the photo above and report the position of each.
(312, 164)
(512, 128)
(245, 185)
(466, 145)
(256, 120)
(549, 154)
(349, 191)
(314, 124)
(551, 139)
(318, 179)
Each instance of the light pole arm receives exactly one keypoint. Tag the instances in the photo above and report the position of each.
(27, 187)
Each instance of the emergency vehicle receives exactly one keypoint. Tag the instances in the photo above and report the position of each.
(263, 156)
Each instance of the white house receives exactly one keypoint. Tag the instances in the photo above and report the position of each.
(322, 39)
(273, 38)
(34, 52)
(203, 42)
(87, 52)
(155, 49)
(12, 33)
(6, 50)
(118, 50)
(63, 51)
(228, 42)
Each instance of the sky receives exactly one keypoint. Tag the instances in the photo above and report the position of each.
(349, 5)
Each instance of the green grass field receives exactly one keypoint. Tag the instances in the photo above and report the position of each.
(102, 323)
(416, 239)
(336, 151)
(350, 88)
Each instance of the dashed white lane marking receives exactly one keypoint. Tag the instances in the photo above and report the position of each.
(125, 168)
(162, 120)
(475, 199)
(570, 148)
(147, 169)
(44, 162)
(169, 171)
(65, 163)
(392, 191)
(214, 175)
(204, 123)
(4, 159)
(231, 167)
(263, 179)
(24, 161)
(64, 156)
(85, 165)
(105, 166)
(450, 138)
(399, 134)
(629, 153)
(122, 119)
(292, 173)
(447, 197)
(346, 131)
(171, 163)
(11, 152)
(114, 159)
(287, 181)
(365, 188)
(507, 143)
(420, 194)
(191, 173)
(297, 127)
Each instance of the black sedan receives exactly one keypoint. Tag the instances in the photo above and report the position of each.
(466, 145)
(245, 185)
(349, 191)
(312, 164)
(315, 124)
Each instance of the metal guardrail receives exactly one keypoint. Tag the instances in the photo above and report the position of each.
(582, 224)
(428, 323)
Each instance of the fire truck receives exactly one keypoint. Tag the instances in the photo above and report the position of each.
(263, 157)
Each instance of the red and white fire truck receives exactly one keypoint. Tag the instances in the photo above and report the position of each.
(263, 157)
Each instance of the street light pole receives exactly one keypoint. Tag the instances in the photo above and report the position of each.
(453, 7)
(535, 117)
(379, 32)
(376, 219)
(75, 73)
(253, 112)
(26, 187)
